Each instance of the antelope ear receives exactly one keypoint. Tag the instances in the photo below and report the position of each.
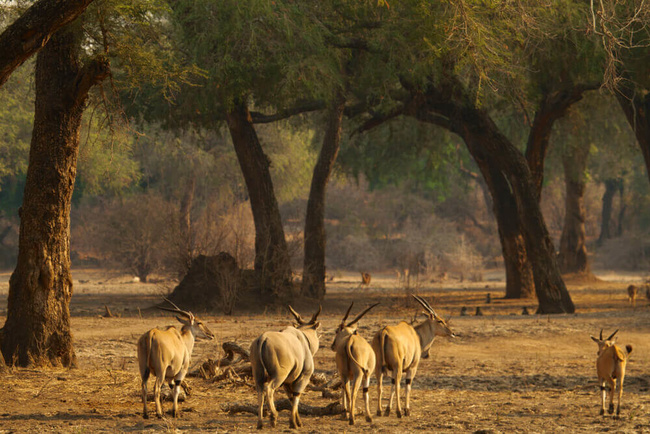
(356, 332)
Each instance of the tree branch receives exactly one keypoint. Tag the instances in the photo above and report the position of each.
(302, 107)
(93, 72)
(29, 33)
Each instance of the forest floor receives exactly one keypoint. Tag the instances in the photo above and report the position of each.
(505, 372)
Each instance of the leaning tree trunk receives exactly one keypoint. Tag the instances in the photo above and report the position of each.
(313, 275)
(29, 33)
(272, 261)
(552, 106)
(37, 330)
(457, 112)
(519, 272)
(573, 250)
(636, 106)
(611, 187)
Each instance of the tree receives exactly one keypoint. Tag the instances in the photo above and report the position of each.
(313, 275)
(572, 256)
(29, 33)
(37, 330)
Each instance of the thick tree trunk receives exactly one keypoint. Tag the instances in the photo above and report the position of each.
(313, 275)
(621, 210)
(552, 106)
(519, 272)
(573, 250)
(272, 261)
(611, 187)
(37, 330)
(29, 33)
(485, 142)
(636, 106)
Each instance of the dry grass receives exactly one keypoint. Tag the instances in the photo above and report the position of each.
(505, 373)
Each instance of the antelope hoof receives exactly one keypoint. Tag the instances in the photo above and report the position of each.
(399, 414)
(378, 412)
(407, 412)
(260, 425)
(292, 425)
(351, 421)
(273, 422)
(602, 412)
(368, 419)
(611, 409)
(387, 412)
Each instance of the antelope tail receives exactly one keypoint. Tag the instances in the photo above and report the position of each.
(628, 348)
(382, 350)
(348, 349)
(265, 372)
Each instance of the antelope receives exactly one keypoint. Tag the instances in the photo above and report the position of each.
(284, 358)
(355, 361)
(365, 280)
(610, 367)
(166, 354)
(632, 291)
(399, 349)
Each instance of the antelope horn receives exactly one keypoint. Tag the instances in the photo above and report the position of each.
(176, 309)
(313, 318)
(347, 313)
(296, 315)
(425, 305)
(361, 314)
(601, 334)
(612, 335)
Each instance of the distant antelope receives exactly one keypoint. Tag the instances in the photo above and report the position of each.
(365, 280)
(632, 292)
(166, 354)
(399, 349)
(610, 367)
(355, 361)
(286, 359)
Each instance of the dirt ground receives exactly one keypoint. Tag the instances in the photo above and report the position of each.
(504, 372)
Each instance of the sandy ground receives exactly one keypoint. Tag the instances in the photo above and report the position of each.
(504, 373)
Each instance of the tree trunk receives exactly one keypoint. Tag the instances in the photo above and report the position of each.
(37, 330)
(519, 272)
(272, 261)
(457, 112)
(313, 275)
(186, 241)
(29, 33)
(621, 209)
(636, 106)
(573, 250)
(611, 187)
(552, 106)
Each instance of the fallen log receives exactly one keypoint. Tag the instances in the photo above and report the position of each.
(284, 404)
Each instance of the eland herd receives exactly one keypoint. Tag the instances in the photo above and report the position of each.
(286, 358)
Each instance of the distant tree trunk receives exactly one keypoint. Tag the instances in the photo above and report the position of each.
(454, 110)
(635, 103)
(621, 209)
(573, 250)
(185, 223)
(313, 275)
(552, 106)
(29, 33)
(37, 330)
(272, 261)
(611, 187)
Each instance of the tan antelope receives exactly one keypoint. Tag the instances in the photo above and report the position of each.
(355, 361)
(166, 354)
(632, 292)
(610, 367)
(286, 359)
(399, 349)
